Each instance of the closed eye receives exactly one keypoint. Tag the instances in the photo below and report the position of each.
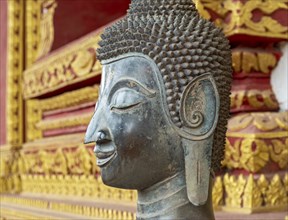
(124, 108)
(126, 99)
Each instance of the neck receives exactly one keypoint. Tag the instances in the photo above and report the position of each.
(168, 200)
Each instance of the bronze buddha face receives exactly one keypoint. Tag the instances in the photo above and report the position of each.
(130, 126)
(160, 121)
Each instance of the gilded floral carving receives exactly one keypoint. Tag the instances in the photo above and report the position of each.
(241, 16)
(254, 154)
(75, 63)
(252, 193)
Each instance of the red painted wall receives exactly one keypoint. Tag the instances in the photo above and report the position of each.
(76, 18)
(3, 69)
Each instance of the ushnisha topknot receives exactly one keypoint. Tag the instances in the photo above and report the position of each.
(183, 46)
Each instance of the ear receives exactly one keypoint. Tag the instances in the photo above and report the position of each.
(199, 114)
(199, 108)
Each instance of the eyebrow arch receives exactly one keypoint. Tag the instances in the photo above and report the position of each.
(132, 84)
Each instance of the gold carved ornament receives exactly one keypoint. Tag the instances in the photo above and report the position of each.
(39, 29)
(217, 193)
(11, 170)
(68, 171)
(256, 99)
(261, 121)
(14, 106)
(74, 63)
(46, 27)
(255, 193)
(247, 62)
(241, 15)
(33, 116)
(65, 122)
(254, 154)
(68, 99)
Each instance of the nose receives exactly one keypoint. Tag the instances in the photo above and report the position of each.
(97, 130)
(102, 137)
(90, 132)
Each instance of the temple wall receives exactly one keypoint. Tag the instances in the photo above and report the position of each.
(55, 174)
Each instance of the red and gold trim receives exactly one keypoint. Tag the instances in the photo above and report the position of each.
(258, 18)
(73, 63)
(257, 142)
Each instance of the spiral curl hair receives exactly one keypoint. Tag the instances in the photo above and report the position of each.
(183, 46)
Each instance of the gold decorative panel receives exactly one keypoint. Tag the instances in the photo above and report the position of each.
(14, 100)
(39, 28)
(241, 15)
(74, 63)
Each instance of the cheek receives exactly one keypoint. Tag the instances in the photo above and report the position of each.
(134, 133)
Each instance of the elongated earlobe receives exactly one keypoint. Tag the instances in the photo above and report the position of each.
(199, 114)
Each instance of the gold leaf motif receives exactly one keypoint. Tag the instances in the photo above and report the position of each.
(255, 154)
(276, 194)
(240, 122)
(72, 64)
(261, 121)
(279, 152)
(217, 192)
(83, 62)
(252, 195)
(264, 123)
(263, 184)
(258, 193)
(240, 17)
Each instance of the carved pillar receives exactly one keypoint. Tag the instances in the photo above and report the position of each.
(12, 102)
(257, 137)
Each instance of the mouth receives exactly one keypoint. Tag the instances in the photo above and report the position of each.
(103, 158)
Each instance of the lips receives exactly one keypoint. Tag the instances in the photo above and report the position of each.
(104, 155)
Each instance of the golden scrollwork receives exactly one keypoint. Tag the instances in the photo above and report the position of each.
(256, 99)
(39, 28)
(64, 122)
(78, 161)
(253, 193)
(241, 16)
(254, 154)
(46, 27)
(279, 152)
(260, 121)
(81, 161)
(14, 107)
(248, 61)
(72, 64)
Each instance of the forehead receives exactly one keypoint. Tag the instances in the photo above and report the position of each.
(137, 69)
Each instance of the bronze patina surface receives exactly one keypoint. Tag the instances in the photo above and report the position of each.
(160, 120)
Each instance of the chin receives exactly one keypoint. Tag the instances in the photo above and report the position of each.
(116, 181)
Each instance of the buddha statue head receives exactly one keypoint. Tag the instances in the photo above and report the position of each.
(164, 99)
